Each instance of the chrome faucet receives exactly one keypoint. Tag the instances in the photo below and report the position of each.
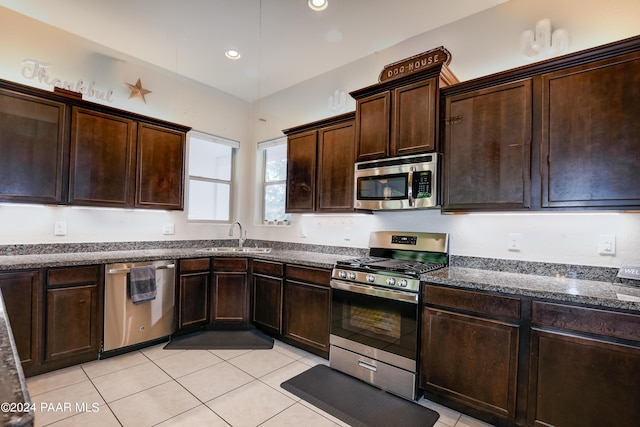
(243, 236)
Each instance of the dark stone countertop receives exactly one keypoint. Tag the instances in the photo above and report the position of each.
(20, 262)
(16, 408)
(564, 286)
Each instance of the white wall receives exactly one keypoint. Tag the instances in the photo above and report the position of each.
(173, 98)
(481, 44)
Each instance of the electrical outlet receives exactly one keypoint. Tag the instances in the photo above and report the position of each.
(60, 228)
(347, 234)
(607, 244)
(514, 243)
(169, 228)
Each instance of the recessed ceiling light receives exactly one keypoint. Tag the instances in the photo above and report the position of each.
(232, 54)
(318, 4)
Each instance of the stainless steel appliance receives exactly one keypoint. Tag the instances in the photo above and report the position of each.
(408, 182)
(127, 324)
(375, 310)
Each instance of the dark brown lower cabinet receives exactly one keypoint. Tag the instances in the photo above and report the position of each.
(470, 348)
(307, 308)
(74, 304)
(194, 278)
(267, 296)
(584, 367)
(229, 301)
(21, 291)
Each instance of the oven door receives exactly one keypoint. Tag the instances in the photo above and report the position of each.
(378, 323)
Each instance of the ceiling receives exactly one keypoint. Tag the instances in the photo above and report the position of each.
(282, 42)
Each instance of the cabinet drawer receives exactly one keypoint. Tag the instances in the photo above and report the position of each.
(306, 274)
(268, 268)
(73, 275)
(476, 302)
(590, 320)
(196, 264)
(230, 264)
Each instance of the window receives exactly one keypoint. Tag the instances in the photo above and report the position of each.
(210, 174)
(274, 157)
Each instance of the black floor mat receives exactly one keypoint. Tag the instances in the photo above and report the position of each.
(356, 402)
(241, 339)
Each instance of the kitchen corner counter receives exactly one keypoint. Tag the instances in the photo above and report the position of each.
(16, 408)
(21, 262)
(559, 287)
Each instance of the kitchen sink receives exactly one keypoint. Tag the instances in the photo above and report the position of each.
(227, 249)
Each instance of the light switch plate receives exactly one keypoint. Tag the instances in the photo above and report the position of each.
(169, 228)
(607, 244)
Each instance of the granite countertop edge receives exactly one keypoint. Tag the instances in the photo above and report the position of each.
(23, 262)
(14, 388)
(558, 282)
(558, 288)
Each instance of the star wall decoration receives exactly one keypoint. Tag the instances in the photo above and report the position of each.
(137, 91)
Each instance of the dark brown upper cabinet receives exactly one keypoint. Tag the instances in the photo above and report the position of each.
(591, 134)
(301, 171)
(487, 148)
(33, 162)
(334, 185)
(102, 159)
(559, 134)
(160, 179)
(58, 149)
(320, 159)
(399, 117)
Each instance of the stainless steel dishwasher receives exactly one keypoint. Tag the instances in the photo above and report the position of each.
(127, 324)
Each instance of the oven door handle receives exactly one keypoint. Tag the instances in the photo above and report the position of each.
(376, 291)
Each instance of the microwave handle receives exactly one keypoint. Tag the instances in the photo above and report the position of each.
(410, 185)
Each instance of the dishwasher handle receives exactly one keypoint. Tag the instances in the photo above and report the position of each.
(127, 270)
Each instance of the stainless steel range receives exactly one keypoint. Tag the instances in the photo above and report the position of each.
(375, 310)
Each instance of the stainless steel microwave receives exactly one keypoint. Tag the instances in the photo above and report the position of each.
(407, 182)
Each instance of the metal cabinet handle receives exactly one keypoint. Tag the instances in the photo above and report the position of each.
(367, 366)
(127, 270)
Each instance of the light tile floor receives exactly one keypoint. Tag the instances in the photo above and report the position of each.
(157, 387)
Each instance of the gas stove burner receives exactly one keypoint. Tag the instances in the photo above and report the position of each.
(360, 262)
(380, 264)
(396, 260)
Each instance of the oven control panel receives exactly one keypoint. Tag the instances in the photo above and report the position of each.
(404, 240)
(378, 279)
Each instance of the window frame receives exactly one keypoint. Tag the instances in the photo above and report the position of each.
(235, 145)
(262, 149)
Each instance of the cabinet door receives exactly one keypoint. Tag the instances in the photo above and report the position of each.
(193, 299)
(591, 135)
(230, 298)
(306, 315)
(267, 303)
(414, 118)
(72, 318)
(373, 116)
(582, 382)
(160, 167)
(102, 159)
(487, 146)
(336, 152)
(301, 172)
(21, 293)
(32, 143)
(470, 360)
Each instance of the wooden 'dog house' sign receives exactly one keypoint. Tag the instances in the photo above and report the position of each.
(415, 63)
